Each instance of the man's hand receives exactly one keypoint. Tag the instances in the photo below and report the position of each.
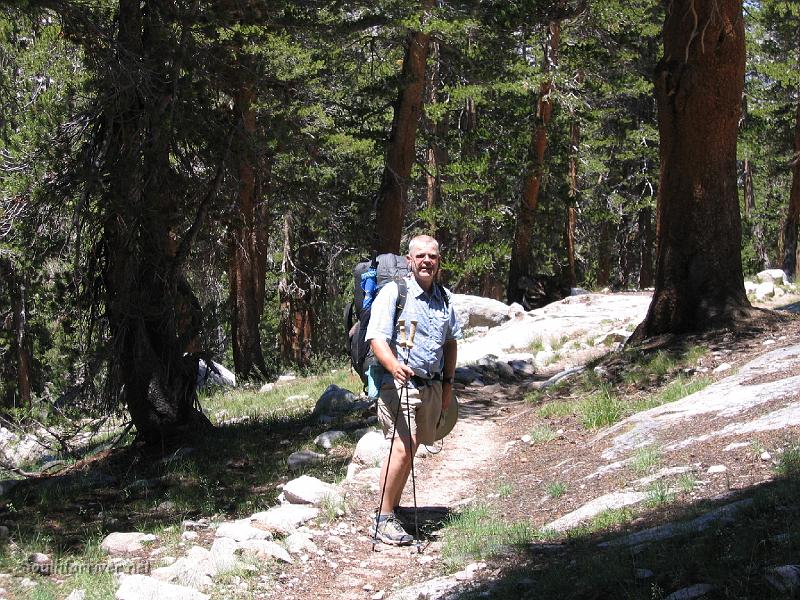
(401, 372)
(388, 360)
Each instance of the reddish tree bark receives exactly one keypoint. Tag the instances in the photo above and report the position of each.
(793, 210)
(698, 87)
(248, 246)
(523, 229)
(391, 205)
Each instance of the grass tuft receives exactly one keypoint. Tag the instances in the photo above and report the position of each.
(541, 434)
(659, 494)
(555, 489)
(789, 462)
(600, 409)
(476, 533)
(645, 459)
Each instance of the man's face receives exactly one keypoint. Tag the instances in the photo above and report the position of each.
(424, 261)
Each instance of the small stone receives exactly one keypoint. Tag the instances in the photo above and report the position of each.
(368, 587)
(76, 595)
(713, 470)
(526, 439)
(378, 595)
(723, 367)
(766, 455)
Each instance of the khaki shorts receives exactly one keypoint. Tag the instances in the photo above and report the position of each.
(424, 410)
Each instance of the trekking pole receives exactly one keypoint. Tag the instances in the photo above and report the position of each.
(410, 344)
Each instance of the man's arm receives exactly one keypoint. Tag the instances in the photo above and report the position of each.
(450, 357)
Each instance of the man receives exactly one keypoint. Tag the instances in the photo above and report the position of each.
(425, 372)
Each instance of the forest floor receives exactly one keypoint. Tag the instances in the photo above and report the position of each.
(486, 500)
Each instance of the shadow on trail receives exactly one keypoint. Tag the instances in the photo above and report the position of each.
(732, 556)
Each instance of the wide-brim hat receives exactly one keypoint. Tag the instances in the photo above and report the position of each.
(448, 419)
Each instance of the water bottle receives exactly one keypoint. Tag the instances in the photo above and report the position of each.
(369, 281)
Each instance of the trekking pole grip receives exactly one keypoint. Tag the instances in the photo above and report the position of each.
(412, 330)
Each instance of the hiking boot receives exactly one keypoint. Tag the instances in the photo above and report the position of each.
(390, 531)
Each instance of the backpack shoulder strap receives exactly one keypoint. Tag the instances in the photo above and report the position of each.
(445, 295)
(402, 292)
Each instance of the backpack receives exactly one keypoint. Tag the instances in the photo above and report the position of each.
(369, 277)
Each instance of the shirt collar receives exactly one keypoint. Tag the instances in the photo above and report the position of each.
(417, 291)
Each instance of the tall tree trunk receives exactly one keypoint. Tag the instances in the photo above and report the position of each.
(299, 292)
(793, 210)
(152, 314)
(391, 202)
(572, 213)
(248, 250)
(15, 282)
(604, 255)
(757, 229)
(698, 85)
(647, 244)
(523, 232)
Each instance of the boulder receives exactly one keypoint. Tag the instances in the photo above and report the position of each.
(214, 373)
(334, 400)
(125, 542)
(196, 570)
(298, 461)
(476, 311)
(141, 587)
(223, 554)
(775, 276)
(242, 530)
(265, 549)
(286, 518)
(371, 449)
(765, 290)
(300, 543)
(309, 490)
(326, 440)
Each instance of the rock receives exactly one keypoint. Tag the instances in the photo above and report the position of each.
(286, 518)
(691, 592)
(775, 276)
(223, 554)
(188, 536)
(526, 439)
(309, 490)
(40, 563)
(327, 439)
(298, 461)
(715, 469)
(438, 587)
(299, 543)
(465, 375)
(476, 311)
(721, 368)
(505, 370)
(765, 290)
(334, 401)
(125, 542)
(267, 387)
(195, 570)
(516, 310)
(371, 449)
(286, 378)
(643, 574)
(766, 455)
(141, 587)
(241, 530)
(785, 579)
(75, 595)
(214, 374)
(595, 507)
(266, 549)
(523, 368)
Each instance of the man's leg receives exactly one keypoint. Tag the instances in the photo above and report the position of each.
(399, 468)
